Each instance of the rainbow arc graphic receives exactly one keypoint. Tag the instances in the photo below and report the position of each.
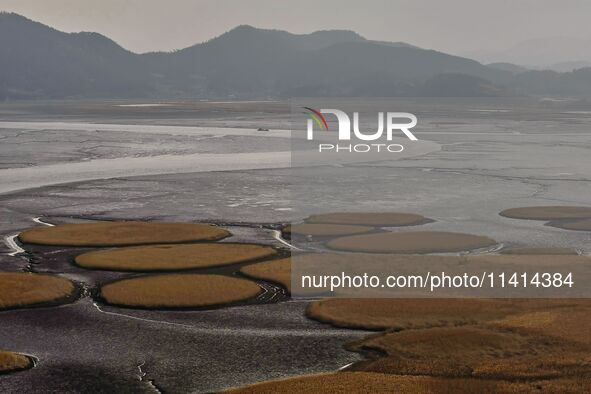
(317, 117)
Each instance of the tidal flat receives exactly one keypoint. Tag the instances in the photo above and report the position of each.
(202, 162)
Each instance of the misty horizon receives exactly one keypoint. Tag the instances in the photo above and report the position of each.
(557, 53)
(251, 62)
(494, 27)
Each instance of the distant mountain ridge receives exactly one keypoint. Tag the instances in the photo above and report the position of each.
(541, 53)
(39, 62)
(512, 68)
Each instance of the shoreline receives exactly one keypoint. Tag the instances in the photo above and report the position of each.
(15, 179)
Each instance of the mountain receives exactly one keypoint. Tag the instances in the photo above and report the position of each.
(510, 67)
(569, 66)
(249, 61)
(38, 62)
(243, 61)
(540, 53)
(461, 85)
(368, 68)
(574, 83)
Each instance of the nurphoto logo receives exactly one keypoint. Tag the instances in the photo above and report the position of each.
(346, 132)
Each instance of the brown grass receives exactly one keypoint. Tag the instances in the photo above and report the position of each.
(172, 257)
(178, 291)
(375, 219)
(540, 251)
(19, 289)
(326, 230)
(579, 225)
(475, 352)
(278, 271)
(391, 313)
(121, 233)
(367, 382)
(571, 322)
(10, 361)
(537, 346)
(547, 213)
(411, 242)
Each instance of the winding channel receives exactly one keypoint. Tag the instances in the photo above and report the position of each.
(11, 242)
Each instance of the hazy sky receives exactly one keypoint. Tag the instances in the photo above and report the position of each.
(456, 26)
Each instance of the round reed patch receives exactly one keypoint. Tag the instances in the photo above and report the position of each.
(411, 242)
(547, 213)
(375, 219)
(22, 289)
(326, 230)
(278, 271)
(178, 291)
(10, 362)
(172, 257)
(121, 233)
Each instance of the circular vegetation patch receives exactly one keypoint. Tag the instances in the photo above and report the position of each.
(579, 225)
(22, 289)
(278, 271)
(540, 251)
(11, 362)
(547, 213)
(411, 242)
(326, 230)
(172, 257)
(178, 291)
(377, 219)
(121, 233)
